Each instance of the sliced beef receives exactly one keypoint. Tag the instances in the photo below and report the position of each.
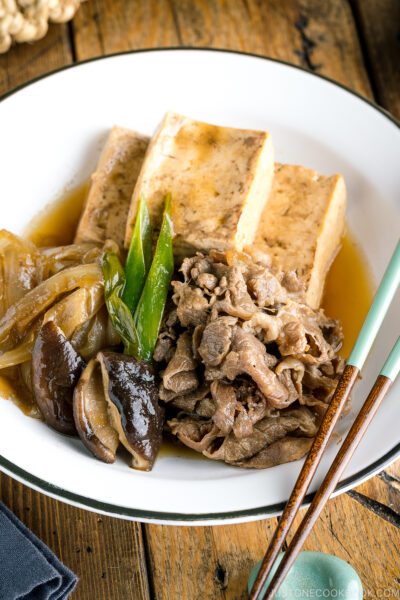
(164, 349)
(216, 340)
(180, 375)
(304, 332)
(237, 301)
(242, 427)
(250, 368)
(290, 372)
(205, 407)
(249, 356)
(189, 402)
(266, 327)
(194, 432)
(265, 432)
(192, 304)
(282, 451)
(292, 283)
(292, 339)
(226, 405)
(266, 289)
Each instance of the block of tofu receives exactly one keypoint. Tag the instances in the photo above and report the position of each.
(219, 179)
(302, 224)
(107, 205)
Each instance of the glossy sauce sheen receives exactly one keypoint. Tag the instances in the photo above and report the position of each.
(347, 296)
(133, 389)
(56, 224)
(348, 291)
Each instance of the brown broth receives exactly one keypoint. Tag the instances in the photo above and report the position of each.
(348, 291)
(171, 446)
(347, 295)
(14, 390)
(56, 224)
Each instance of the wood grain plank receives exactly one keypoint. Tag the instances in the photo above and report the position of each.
(219, 559)
(331, 44)
(317, 35)
(207, 563)
(26, 61)
(106, 553)
(105, 26)
(379, 23)
(371, 545)
(384, 490)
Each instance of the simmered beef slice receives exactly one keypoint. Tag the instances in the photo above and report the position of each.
(180, 375)
(265, 433)
(216, 340)
(195, 433)
(282, 451)
(226, 406)
(249, 356)
(250, 367)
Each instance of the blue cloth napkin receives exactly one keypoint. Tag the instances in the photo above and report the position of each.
(28, 568)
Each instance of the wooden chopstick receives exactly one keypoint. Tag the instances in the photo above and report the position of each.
(307, 472)
(382, 384)
(362, 346)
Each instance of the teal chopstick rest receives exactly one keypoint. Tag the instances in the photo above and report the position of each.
(315, 575)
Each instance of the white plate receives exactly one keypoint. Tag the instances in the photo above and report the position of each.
(51, 134)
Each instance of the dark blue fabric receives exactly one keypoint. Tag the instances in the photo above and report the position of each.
(28, 568)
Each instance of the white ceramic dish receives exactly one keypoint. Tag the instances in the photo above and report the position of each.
(51, 134)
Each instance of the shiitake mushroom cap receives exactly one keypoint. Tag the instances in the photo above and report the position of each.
(56, 369)
(132, 393)
(116, 400)
(91, 414)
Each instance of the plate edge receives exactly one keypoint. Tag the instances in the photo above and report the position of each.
(171, 518)
(372, 103)
(174, 518)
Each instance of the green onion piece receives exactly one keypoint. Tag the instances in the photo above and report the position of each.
(152, 301)
(120, 315)
(114, 274)
(139, 257)
(123, 323)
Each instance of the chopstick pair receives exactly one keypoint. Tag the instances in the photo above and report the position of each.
(361, 349)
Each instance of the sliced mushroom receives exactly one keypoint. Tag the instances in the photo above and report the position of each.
(56, 369)
(91, 414)
(132, 395)
(116, 400)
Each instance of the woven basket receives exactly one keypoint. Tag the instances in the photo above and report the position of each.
(28, 20)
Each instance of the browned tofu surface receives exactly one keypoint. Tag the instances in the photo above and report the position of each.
(302, 224)
(107, 205)
(219, 178)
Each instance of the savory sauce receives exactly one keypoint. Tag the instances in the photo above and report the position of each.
(171, 446)
(348, 291)
(347, 295)
(11, 388)
(56, 224)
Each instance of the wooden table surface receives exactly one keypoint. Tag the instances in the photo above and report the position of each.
(356, 42)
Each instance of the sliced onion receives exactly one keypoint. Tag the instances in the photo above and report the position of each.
(94, 335)
(21, 314)
(62, 257)
(20, 353)
(77, 308)
(20, 268)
